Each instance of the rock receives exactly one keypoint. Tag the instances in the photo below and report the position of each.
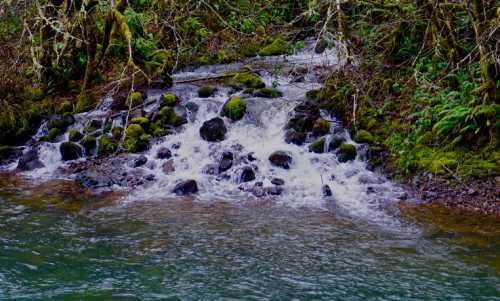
(226, 162)
(213, 130)
(9, 154)
(139, 161)
(277, 47)
(107, 145)
(321, 127)
(163, 153)
(347, 152)
(326, 190)
(251, 157)
(268, 93)
(192, 107)
(142, 121)
(136, 139)
(186, 187)
(294, 137)
(168, 167)
(278, 181)
(116, 132)
(247, 174)
(211, 169)
(150, 177)
(275, 190)
(168, 116)
(335, 142)
(317, 146)
(281, 159)
(206, 91)
(363, 136)
(60, 122)
(135, 98)
(249, 80)
(169, 99)
(75, 135)
(70, 151)
(88, 143)
(320, 47)
(29, 161)
(234, 108)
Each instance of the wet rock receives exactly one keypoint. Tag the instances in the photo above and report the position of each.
(70, 151)
(294, 137)
(281, 159)
(75, 135)
(335, 142)
(248, 79)
(186, 187)
(150, 178)
(139, 161)
(88, 143)
(317, 146)
(226, 162)
(347, 152)
(251, 157)
(163, 153)
(320, 46)
(169, 100)
(363, 136)
(247, 174)
(274, 190)
(268, 93)
(192, 107)
(181, 112)
(278, 181)
(136, 139)
(9, 154)
(168, 167)
(326, 191)
(234, 108)
(213, 130)
(60, 122)
(211, 169)
(321, 127)
(206, 91)
(29, 161)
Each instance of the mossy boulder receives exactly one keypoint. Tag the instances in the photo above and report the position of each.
(136, 139)
(60, 122)
(277, 47)
(347, 152)
(248, 80)
(51, 135)
(321, 127)
(167, 116)
(318, 146)
(268, 93)
(116, 132)
(75, 135)
(107, 145)
(142, 121)
(234, 108)
(206, 91)
(88, 143)
(169, 99)
(134, 99)
(335, 142)
(65, 107)
(70, 151)
(363, 136)
(84, 103)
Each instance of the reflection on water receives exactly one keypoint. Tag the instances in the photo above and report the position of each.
(182, 249)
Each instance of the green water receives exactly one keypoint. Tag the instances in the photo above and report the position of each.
(53, 249)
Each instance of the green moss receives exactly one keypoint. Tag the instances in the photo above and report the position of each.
(235, 108)
(88, 143)
(249, 50)
(116, 132)
(106, 145)
(53, 133)
(169, 99)
(335, 143)
(277, 47)
(426, 139)
(75, 135)
(167, 116)
(135, 98)
(89, 129)
(142, 121)
(84, 103)
(268, 93)
(249, 80)
(347, 152)
(206, 91)
(136, 139)
(321, 127)
(317, 146)
(64, 107)
(363, 136)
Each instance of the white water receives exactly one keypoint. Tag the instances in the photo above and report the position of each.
(261, 133)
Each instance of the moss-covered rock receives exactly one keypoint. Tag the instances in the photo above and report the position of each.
(84, 103)
(134, 99)
(70, 151)
(347, 152)
(167, 116)
(335, 142)
(75, 135)
(88, 143)
(51, 135)
(116, 132)
(65, 107)
(206, 91)
(142, 121)
(136, 139)
(321, 127)
(277, 47)
(249, 80)
(106, 145)
(268, 93)
(317, 146)
(363, 136)
(235, 108)
(169, 99)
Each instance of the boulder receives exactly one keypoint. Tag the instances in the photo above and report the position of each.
(278, 182)
(107, 145)
(75, 135)
(294, 137)
(234, 108)
(363, 136)
(186, 187)
(139, 161)
(136, 139)
(226, 162)
(163, 153)
(277, 47)
(335, 142)
(321, 127)
(206, 91)
(247, 174)
(169, 99)
(213, 130)
(317, 146)
(249, 80)
(268, 93)
(88, 143)
(168, 167)
(281, 159)
(347, 152)
(70, 151)
(29, 160)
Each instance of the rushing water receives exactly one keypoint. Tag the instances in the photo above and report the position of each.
(227, 243)
(54, 248)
